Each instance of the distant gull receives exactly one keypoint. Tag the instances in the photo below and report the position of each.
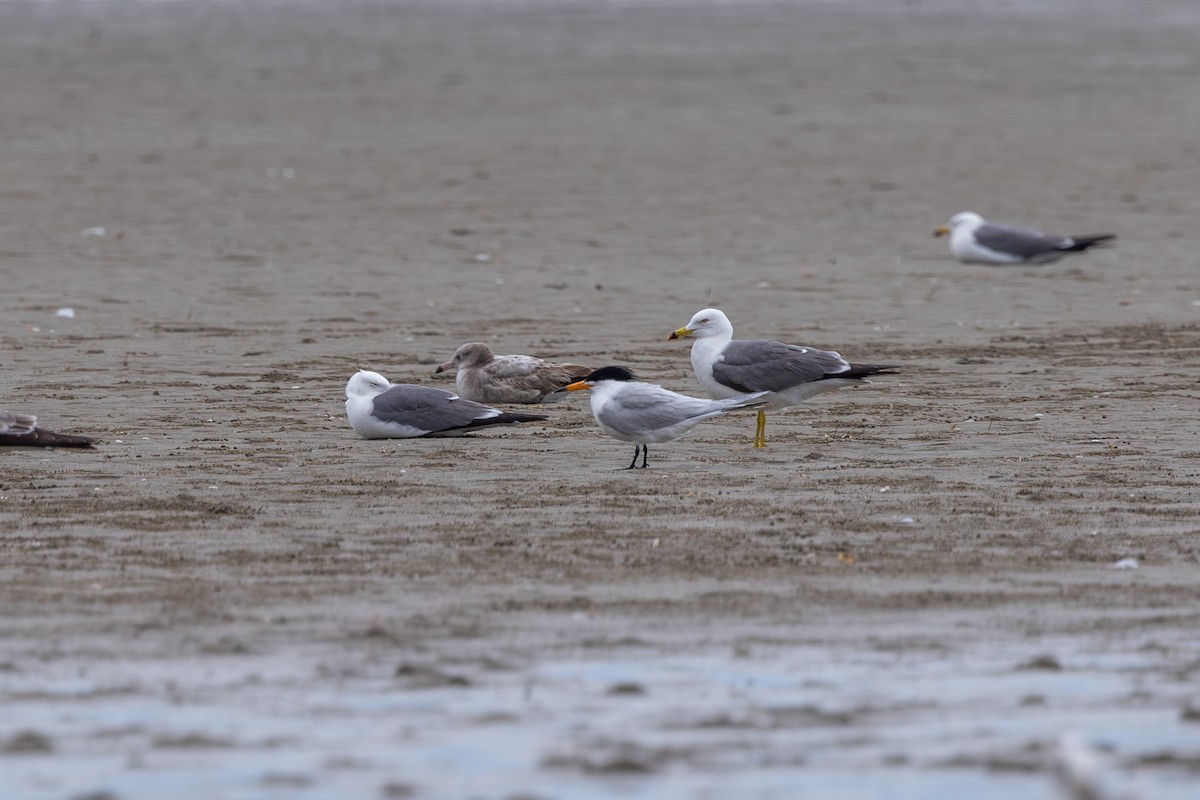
(974, 239)
(727, 367)
(379, 409)
(21, 430)
(488, 378)
(645, 413)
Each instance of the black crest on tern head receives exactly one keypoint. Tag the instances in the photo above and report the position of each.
(610, 374)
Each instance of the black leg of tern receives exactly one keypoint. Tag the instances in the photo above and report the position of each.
(633, 464)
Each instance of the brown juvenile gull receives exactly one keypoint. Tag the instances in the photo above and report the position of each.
(974, 239)
(728, 367)
(21, 430)
(645, 413)
(379, 409)
(488, 378)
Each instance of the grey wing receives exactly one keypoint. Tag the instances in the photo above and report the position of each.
(428, 408)
(17, 424)
(761, 365)
(642, 408)
(1020, 242)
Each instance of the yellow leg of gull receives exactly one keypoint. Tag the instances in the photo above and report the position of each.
(760, 430)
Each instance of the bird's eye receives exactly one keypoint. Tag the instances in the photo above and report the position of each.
(704, 321)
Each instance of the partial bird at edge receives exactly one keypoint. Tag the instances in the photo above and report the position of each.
(21, 430)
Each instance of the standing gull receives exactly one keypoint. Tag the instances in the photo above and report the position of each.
(379, 409)
(728, 367)
(488, 378)
(21, 430)
(645, 413)
(974, 239)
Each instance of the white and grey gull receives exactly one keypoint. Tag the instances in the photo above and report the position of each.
(646, 413)
(485, 377)
(380, 409)
(728, 367)
(975, 240)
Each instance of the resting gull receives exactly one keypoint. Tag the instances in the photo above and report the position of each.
(488, 378)
(974, 239)
(645, 413)
(379, 409)
(728, 367)
(21, 430)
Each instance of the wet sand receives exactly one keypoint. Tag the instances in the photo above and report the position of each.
(911, 593)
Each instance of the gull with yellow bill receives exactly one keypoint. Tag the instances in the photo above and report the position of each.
(728, 367)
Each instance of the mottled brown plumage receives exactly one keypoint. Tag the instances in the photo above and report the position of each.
(485, 377)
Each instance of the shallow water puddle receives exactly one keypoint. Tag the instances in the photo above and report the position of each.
(761, 722)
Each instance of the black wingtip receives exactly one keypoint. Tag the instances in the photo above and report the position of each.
(507, 418)
(519, 417)
(44, 438)
(866, 370)
(1084, 242)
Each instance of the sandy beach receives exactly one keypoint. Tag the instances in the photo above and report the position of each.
(922, 588)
